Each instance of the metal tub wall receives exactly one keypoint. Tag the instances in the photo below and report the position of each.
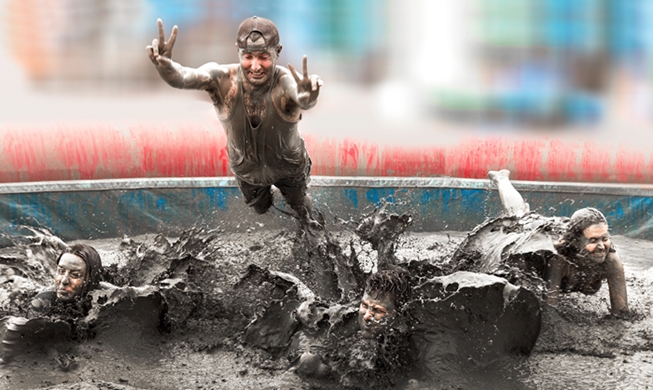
(113, 208)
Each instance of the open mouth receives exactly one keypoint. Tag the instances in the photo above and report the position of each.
(64, 292)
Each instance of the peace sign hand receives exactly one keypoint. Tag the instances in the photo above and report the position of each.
(308, 87)
(160, 51)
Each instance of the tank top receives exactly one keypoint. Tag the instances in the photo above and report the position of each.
(264, 154)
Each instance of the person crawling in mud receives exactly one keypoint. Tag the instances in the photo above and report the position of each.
(79, 271)
(259, 104)
(587, 257)
(580, 252)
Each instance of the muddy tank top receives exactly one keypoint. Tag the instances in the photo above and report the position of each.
(264, 154)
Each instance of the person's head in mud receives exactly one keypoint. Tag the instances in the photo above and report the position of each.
(587, 238)
(385, 293)
(79, 271)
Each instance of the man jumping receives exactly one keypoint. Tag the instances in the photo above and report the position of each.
(259, 104)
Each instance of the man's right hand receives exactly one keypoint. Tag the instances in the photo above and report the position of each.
(160, 51)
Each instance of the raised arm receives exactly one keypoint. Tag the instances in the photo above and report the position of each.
(305, 90)
(178, 76)
(616, 283)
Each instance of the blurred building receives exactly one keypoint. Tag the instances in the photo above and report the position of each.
(86, 42)
(552, 62)
(540, 62)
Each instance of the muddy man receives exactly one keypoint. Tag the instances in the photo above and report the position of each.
(385, 293)
(259, 104)
(585, 254)
(381, 308)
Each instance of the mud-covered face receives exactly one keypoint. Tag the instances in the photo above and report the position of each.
(258, 66)
(595, 243)
(71, 275)
(375, 313)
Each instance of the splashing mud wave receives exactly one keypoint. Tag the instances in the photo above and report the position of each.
(211, 309)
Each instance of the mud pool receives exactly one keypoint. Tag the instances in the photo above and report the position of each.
(580, 345)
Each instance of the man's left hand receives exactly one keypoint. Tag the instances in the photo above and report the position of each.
(308, 87)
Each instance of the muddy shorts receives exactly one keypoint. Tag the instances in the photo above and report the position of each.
(293, 190)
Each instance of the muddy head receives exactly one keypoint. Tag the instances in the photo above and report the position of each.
(71, 276)
(79, 270)
(587, 237)
(258, 49)
(385, 293)
(376, 311)
(595, 243)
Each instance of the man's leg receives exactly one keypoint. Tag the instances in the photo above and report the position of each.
(294, 192)
(296, 197)
(257, 197)
(513, 203)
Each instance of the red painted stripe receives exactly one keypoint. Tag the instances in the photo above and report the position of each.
(66, 152)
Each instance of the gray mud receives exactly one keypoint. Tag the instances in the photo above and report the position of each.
(213, 294)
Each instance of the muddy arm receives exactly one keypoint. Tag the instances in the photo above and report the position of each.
(616, 283)
(182, 77)
(553, 277)
(176, 75)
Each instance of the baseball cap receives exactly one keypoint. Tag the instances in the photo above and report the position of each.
(263, 26)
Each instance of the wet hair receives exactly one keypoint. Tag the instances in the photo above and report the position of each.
(395, 282)
(570, 244)
(93, 262)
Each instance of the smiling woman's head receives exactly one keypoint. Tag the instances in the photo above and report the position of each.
(583, 225)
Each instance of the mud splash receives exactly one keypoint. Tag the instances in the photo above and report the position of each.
(211, 309)
(516, 249)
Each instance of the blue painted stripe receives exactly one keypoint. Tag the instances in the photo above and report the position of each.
(87, 213)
